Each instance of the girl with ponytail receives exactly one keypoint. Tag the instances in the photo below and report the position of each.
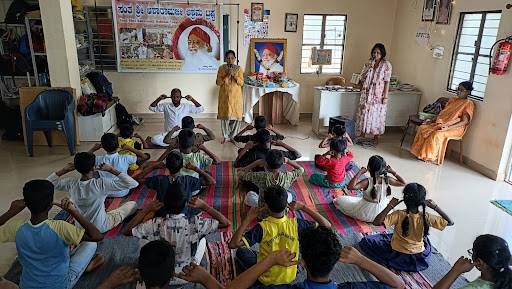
(375, 191)
(490, 256)
(408, 248)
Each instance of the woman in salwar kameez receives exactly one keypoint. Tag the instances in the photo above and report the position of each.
(230, 78)
(452, 121)
(371, 114)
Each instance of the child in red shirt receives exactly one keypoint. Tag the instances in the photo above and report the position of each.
(335, 166)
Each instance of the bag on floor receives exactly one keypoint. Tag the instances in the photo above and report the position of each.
(123, 117)
(101, 84)
(13, 123)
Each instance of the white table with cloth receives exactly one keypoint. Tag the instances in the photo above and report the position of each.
(290, 101)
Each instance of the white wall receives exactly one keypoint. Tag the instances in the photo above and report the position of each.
(364, 28)
(485, 142)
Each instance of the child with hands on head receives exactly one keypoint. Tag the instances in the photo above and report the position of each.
(160, 183)
(338, 132)
(408, 248)
(187, 123)
(260, 122)
(260, 180)
(126, 134)
(43, 245)
(110, 143)
(491, 256)
(275, 232)
(188, 240)
(375, 191)
(89, 193)
(321, 250)
(334, 161)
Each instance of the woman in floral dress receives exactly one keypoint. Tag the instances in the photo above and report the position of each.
(371, 114)
(230, 78)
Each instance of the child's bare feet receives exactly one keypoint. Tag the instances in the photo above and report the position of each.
(375, 140)
(224, 141)
(96, 261)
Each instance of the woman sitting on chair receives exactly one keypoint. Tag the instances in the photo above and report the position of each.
(452, 121)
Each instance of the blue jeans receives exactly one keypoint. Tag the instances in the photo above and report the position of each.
(80, 258)
(247, 257)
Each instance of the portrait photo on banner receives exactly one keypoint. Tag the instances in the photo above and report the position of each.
(268, 55)
(167, 36)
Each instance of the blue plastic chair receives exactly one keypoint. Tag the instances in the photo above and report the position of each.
(51, 110)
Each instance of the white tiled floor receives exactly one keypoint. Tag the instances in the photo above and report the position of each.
(463, 193)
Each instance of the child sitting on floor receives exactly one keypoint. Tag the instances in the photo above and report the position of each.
(260, 122)
(183, 231)
(259, 147)
(110, 143)
(276, 232)
(156, 269)
(335, 166)
(338, 132)
(491, 256)
(126, 134)
(408, 248)
(260, 181)
(89, 193)
(160, 183)
(375, 191)
(321, 250)
(186, 139)
(43, 245)
(188, 123)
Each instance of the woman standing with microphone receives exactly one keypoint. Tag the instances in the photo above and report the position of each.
(230, 78)
(371, 114)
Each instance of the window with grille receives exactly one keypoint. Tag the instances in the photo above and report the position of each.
(102, 26)
(477, 33)
(324, 32)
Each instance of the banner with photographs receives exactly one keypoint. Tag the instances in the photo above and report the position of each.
(167, 37)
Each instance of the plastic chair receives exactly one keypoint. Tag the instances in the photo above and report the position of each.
(415, 119)
(446, 149)
(335, 80)
(51, 110)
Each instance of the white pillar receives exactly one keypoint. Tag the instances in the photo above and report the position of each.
(59, 34)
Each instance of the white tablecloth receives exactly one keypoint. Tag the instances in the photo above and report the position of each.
(291, 108)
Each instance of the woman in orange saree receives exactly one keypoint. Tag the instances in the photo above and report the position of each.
(451, 121)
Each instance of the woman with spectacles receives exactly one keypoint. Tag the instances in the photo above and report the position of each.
(491, 256)
(452, 121)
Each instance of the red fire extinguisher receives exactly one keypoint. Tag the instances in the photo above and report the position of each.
(501, 58)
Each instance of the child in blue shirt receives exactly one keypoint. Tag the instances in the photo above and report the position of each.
(43, 245)
(110, 143)
(160, 183)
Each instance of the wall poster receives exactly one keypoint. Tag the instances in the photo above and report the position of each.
(255, 29)
(168, 37)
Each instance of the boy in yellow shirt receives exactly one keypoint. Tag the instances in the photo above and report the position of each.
(275, 232)
(126, 137)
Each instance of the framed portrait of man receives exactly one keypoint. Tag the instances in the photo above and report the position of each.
(268, 55)
(429, 9)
